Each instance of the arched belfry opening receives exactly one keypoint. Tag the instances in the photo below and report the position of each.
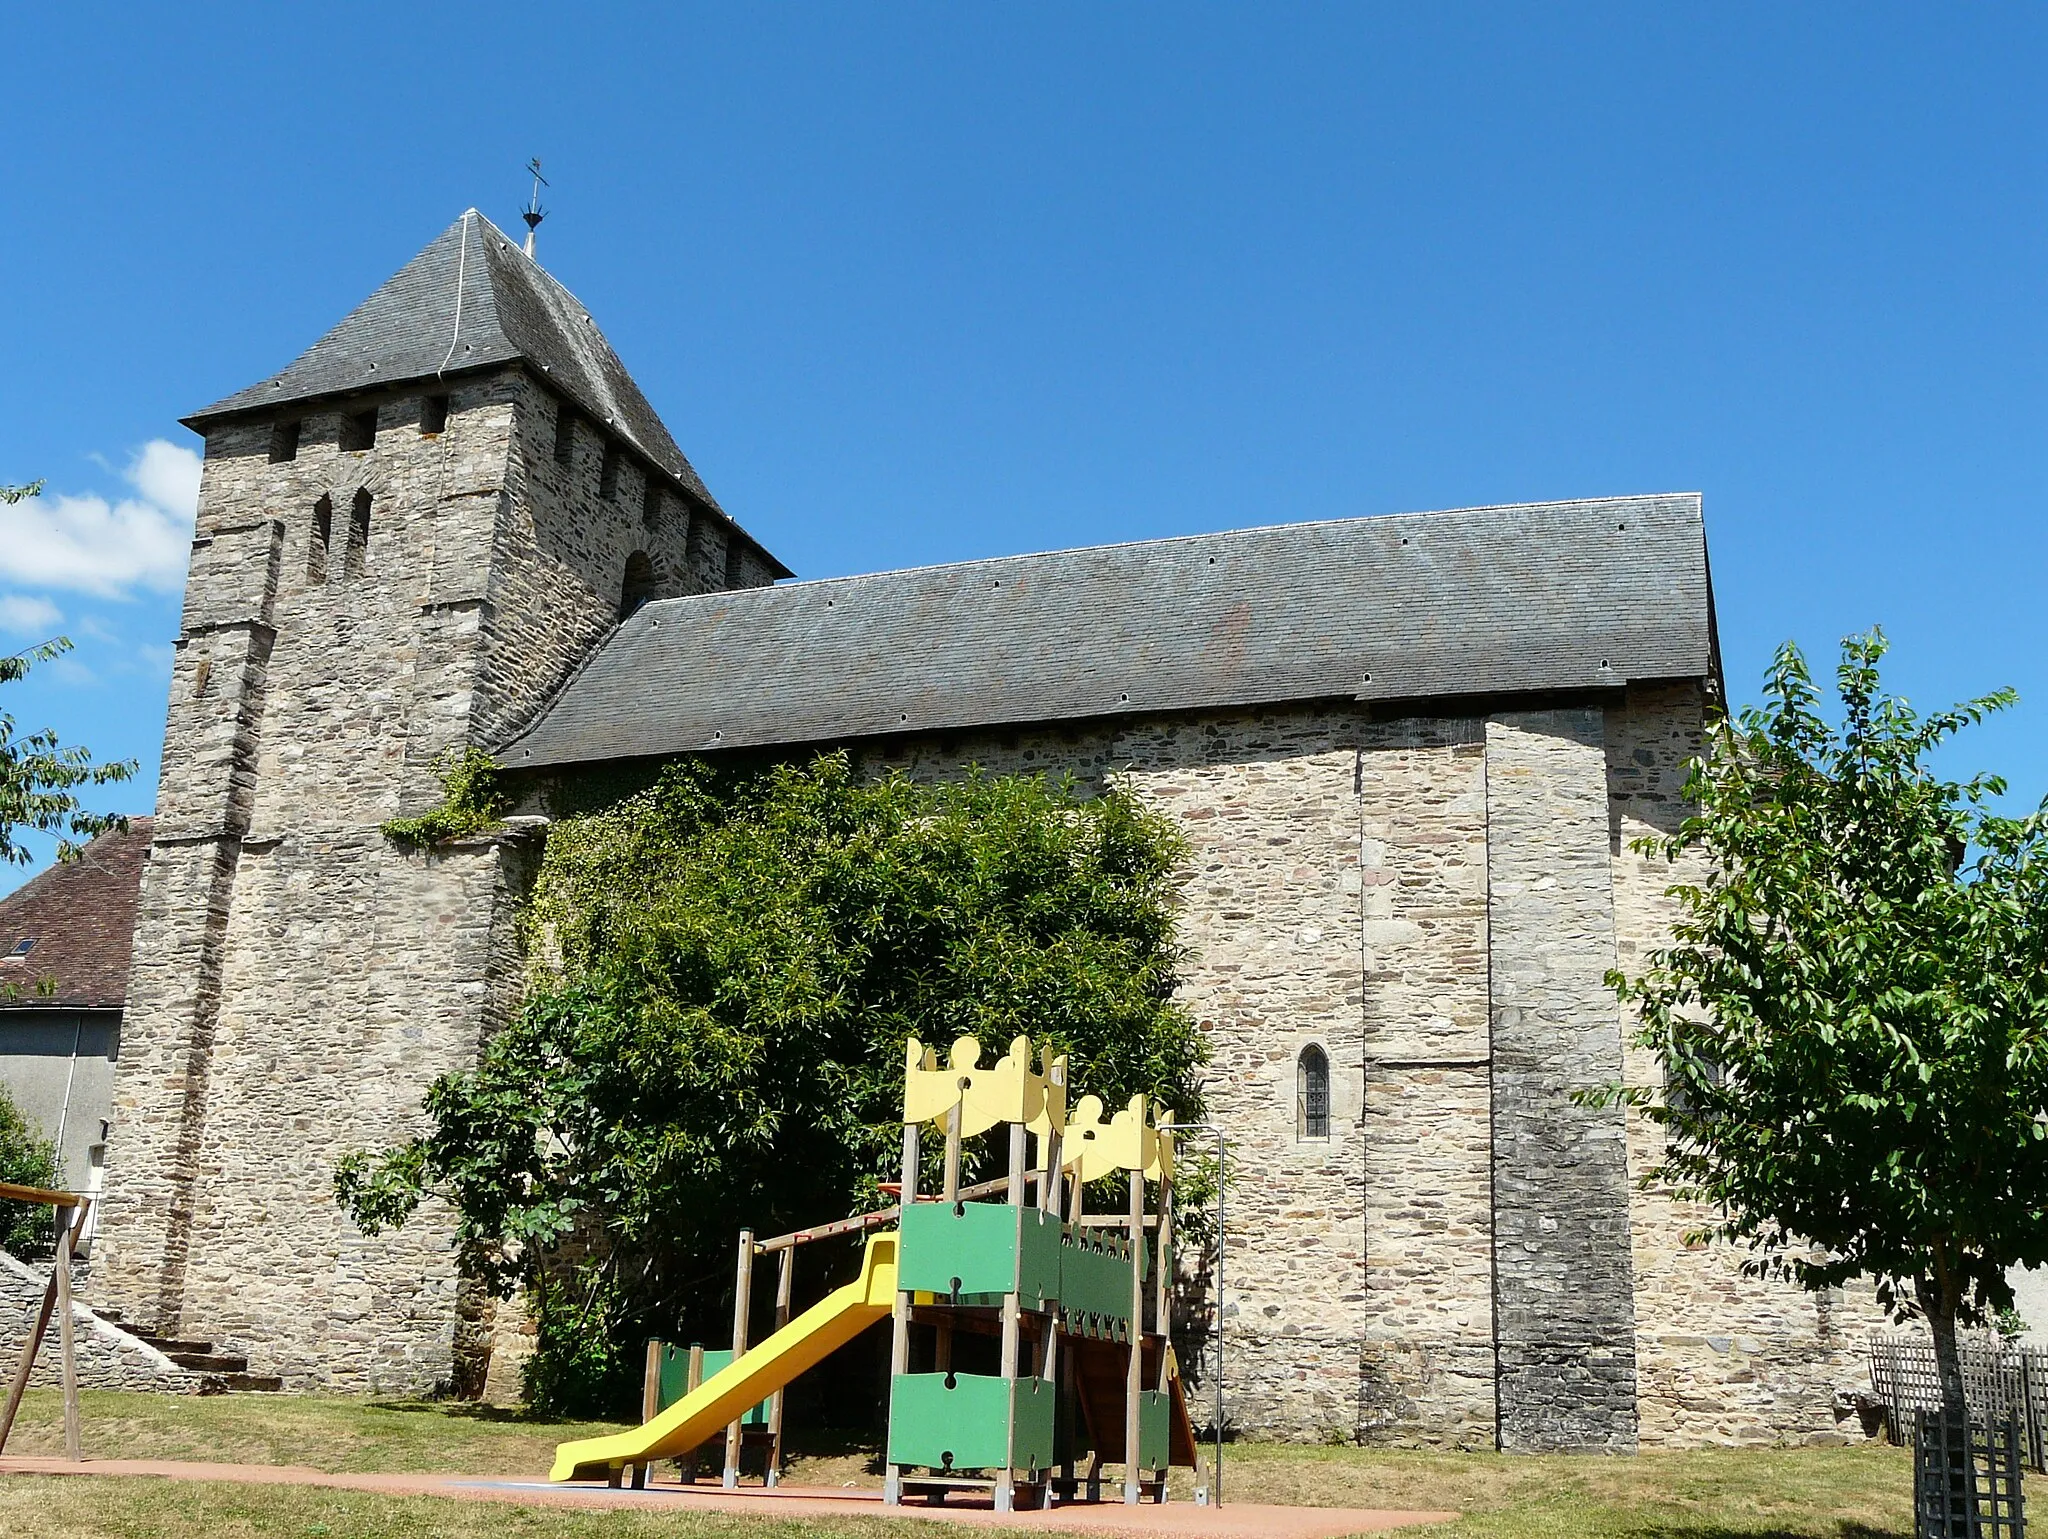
(1312, 1093)
(638, 587)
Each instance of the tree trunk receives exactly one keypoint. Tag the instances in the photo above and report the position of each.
(1938, 1301)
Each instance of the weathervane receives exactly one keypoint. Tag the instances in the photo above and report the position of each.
(533, 213)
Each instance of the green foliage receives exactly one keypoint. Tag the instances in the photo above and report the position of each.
(725, 970)
(472, 801)
(38, 776)
(26, 1229)
(1853, 1014)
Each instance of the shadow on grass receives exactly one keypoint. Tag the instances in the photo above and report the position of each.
(476, 1410)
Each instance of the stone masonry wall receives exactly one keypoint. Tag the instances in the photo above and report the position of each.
(1564, 1321)
(1720, 1358)
(1335, 894)
(301, 979)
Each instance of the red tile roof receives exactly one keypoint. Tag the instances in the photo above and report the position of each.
(81, 916)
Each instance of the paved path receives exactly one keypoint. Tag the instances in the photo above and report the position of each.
(1173, 1520)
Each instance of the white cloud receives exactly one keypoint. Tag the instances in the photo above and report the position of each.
(167, 474)
(89, 545)
(23, 615)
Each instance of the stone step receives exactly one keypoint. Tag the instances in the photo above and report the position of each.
(256, 1383)
(223, 1371)
(171, 1346)
(210, 1362)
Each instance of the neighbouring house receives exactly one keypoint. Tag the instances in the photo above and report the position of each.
(64, 945)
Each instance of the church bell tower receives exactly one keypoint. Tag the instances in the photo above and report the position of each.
(406, 541)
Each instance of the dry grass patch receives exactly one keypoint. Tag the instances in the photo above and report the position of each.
(1763, 1493)
(320, 1432)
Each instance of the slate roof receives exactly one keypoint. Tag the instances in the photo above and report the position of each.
(1537, 598)
(81, 916)
(473, 298)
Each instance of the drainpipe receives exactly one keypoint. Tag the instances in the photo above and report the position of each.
(70, 1077)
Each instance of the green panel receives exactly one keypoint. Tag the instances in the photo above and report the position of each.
(1031, 1446)
(675, 1374)
(962, 1427)
(1095, 1281)
(971, 1250)
(1153, 1411)
(1040, 1251)
(675, 1379)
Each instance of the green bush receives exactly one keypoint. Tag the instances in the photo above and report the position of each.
(26, 1229)
(725, 968)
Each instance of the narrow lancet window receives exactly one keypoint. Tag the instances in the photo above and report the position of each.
(1312, 1093)
(565, 433)
(323, 534)
(650, 504)
(638, 587)
(608, 471)
(358, 536)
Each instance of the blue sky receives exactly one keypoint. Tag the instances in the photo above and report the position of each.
(922, 282)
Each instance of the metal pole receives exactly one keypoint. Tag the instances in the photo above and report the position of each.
(1222, 1153)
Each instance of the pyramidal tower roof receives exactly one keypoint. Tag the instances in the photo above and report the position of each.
(472, 299)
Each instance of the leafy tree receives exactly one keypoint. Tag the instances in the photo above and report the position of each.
(726, 968)
(26, 1229)
(1852, 1017)
(37, 774)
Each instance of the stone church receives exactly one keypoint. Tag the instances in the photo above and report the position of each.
(1409, 754)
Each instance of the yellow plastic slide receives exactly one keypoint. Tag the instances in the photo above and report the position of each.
(758, 1372)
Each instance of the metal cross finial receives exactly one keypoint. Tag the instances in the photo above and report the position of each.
(533, 213)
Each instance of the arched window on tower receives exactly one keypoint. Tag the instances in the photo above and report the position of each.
(323, 532)
(358, 535)
(638, 587)
(1312, 1093)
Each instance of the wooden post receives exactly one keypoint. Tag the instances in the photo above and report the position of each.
(1162, 1314)
(1006, 1477)
(1134, 1374)
(1049, 1186)
(899, 1344)
(650, 1405)
(27, 1361)
(952, 1187)
(67, 1351)
(56, 1291)
(943, 1355)
(784, 1277)
(743, 1287)
(696, 1377)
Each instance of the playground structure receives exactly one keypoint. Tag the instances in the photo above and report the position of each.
(1072, 1311)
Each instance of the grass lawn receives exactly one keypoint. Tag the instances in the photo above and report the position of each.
(1819, 1493)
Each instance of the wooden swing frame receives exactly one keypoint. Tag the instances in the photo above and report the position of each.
(71, 1209)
